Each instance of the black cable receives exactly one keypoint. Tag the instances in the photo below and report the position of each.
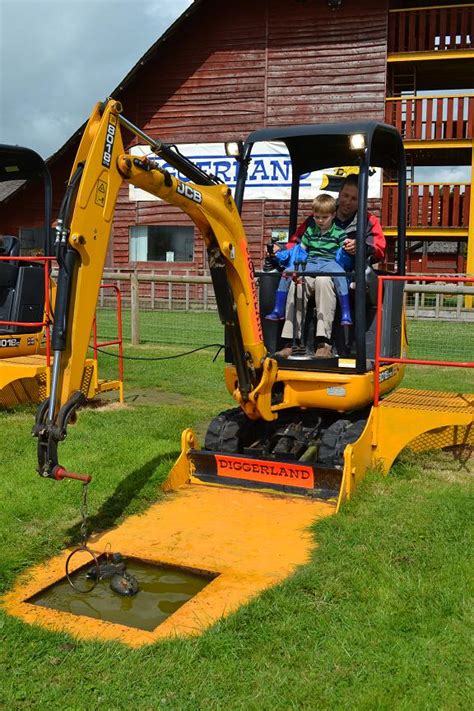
(178, 355)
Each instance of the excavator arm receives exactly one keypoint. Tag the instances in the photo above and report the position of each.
(82, 235)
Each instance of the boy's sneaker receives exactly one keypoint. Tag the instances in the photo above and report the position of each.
(284, 352)
(324, 350)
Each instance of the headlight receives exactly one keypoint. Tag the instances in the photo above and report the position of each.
(234, 149)
(357, 141)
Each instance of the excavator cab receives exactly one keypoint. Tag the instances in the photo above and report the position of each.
(22, 281)
(313, 150)
(322, 404)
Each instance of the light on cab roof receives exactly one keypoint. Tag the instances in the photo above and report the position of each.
(357, 141)
(233, 149)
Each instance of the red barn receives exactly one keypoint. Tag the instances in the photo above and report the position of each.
(216, 76)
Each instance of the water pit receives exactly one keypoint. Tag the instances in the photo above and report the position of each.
(242, 542)
(162, 590)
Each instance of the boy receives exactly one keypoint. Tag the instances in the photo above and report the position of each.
(321, 240)
(318, 239)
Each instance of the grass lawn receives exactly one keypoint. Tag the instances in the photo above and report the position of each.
(381, 618)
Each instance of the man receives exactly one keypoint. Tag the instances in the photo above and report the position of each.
(323, 287)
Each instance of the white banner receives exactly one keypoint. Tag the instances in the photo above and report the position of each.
(269, 176)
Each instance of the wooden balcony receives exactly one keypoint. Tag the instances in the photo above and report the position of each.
(432, 208)
(431, 29)
(432, 118)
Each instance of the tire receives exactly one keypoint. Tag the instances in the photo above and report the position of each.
(229, 432)
(335, 439)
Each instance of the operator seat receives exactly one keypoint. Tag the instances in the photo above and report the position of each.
(21, 289)
(9, 246)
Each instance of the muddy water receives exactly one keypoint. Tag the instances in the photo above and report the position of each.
(162, 591)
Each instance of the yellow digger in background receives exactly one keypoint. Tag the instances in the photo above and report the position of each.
(27, 297)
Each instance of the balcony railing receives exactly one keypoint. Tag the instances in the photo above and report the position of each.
(431, 29)
(429, 205)
(431, 118)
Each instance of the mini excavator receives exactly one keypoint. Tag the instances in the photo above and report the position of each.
(293, 418)
(22, 282)
(24, 370)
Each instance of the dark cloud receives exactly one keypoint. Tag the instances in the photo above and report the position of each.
(58, 57)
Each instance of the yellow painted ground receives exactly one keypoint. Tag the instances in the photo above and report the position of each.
(252, 540)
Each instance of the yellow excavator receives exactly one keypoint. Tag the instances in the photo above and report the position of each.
(293, 417)
(23, 373)
(27, 294)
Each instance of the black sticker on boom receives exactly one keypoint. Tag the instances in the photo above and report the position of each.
(189, 192)
(9, 342)
(109, 141)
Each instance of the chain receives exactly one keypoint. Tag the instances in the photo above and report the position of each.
(84, 514)
(83, 547)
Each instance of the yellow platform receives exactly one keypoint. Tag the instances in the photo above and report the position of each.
(23, 379)
(419, 419)
(250, 540)
(27, 378)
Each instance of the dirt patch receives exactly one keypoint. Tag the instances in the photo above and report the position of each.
(138, 396)
(154, 396)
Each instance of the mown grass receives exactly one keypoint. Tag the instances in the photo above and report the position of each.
(380, 618)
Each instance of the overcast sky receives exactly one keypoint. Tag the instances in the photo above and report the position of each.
(59, 57)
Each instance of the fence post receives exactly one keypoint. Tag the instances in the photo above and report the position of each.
(135, 308)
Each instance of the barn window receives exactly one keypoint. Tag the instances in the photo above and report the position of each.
(161, 243)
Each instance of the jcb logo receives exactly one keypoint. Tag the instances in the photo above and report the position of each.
(109, 142)
(189, 193)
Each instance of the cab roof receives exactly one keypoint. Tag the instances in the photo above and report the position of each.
(317, 146)
(17, 163)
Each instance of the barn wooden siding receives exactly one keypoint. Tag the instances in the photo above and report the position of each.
(228, 70)
(266, 63)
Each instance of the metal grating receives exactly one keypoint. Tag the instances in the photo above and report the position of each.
(458, 438)
(429, 400)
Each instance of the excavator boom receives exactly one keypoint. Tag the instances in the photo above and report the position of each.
(82, 236)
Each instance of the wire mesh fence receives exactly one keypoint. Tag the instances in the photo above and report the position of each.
(176, 327)
(184, 312)
(441, 341)
(163, 309)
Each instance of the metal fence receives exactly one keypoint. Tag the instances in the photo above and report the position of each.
(181, 309)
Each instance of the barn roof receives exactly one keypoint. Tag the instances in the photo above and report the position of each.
(127, 80)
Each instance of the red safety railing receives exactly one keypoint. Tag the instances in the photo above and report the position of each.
(431, 118)
(431, 29)
(379, 359)
(46, 322)
(114, 342)
(429, 205)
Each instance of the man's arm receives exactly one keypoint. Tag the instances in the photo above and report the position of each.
(374, 237)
